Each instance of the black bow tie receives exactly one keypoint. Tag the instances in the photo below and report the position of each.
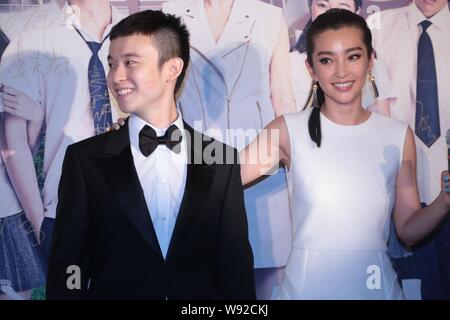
(148, 141)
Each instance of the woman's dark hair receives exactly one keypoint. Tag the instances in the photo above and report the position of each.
(300, 46)
(332, 19)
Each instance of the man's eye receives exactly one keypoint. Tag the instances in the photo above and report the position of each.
(129, 63)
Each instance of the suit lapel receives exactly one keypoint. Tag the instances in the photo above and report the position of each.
(199, 179)
(116, 162)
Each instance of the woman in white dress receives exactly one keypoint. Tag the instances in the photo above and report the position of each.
(348, 170)
(378, 101)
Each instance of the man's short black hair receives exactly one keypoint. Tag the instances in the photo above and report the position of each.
(169, 35)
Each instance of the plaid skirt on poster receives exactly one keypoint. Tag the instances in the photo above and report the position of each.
(22, 266)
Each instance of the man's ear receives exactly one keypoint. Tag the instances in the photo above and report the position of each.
(174, 67)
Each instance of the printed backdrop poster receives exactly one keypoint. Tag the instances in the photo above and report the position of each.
(30, 162)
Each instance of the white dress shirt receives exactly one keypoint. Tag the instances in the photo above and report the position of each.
(163, 179)
(396, 35)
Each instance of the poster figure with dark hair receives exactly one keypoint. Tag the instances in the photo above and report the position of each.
(238, 82)
(413, 43)
(60, 66)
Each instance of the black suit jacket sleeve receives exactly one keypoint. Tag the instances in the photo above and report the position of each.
(235, 254)
(71, 236)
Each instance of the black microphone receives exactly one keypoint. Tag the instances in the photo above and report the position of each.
(447, 139)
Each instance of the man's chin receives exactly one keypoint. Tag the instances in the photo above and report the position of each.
(126, 108)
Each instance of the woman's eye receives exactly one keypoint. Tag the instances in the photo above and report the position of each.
(355, 57)
(325, 60)
(322, 5)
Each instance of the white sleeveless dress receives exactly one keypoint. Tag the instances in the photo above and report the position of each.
(342, 195)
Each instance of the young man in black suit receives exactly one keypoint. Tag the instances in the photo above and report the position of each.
(147, 211)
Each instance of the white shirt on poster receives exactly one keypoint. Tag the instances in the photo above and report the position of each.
(12, 24)
(50, 65)
(396, 35)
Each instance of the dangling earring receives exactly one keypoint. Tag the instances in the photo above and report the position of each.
(374, 85)
(315, 103)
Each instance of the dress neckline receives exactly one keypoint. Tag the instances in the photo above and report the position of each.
(363, 124)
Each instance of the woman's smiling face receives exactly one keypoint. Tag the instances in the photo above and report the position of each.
(340, 63)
